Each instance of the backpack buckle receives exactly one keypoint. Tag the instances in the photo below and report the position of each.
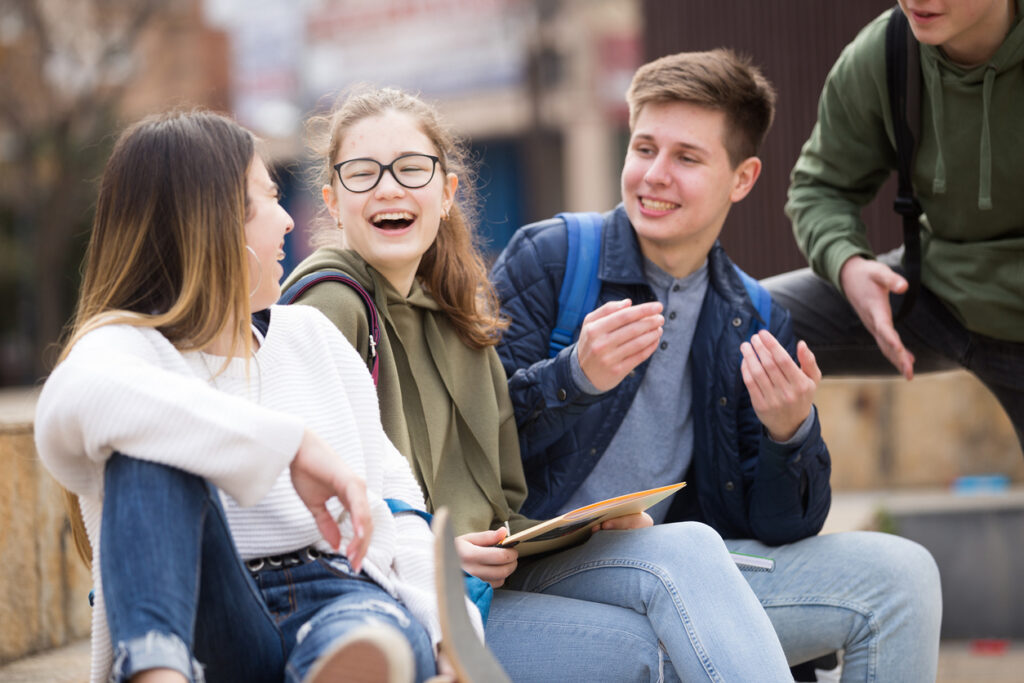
(907, 206)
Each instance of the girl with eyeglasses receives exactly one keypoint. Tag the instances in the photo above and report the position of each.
(228, 479)
(642, 604)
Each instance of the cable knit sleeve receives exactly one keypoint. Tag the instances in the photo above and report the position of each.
(128, 390)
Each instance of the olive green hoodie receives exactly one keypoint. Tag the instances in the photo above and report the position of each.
(968, 174)
(444, 405)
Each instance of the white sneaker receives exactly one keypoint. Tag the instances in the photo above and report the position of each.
(374, 653)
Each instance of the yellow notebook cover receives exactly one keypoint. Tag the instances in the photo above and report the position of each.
(574, 526)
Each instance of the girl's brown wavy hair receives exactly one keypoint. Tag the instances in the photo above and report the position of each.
(453, 268)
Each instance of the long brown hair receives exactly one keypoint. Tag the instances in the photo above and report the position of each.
(452, 269)
(167, 248)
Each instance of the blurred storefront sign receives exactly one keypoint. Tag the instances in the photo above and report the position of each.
(287, 55)
(440, 48)
(267, 55)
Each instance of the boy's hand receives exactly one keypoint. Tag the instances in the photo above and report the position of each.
(481, 558)
(637, 520)
(616, 338)
(781, 392)
(319, 474)
(867, 284)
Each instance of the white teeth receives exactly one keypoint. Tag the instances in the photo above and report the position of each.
(656, 205)
(392, 216)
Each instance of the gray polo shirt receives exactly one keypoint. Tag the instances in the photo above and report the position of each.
(654, 444)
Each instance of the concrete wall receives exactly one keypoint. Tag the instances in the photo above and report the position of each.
(44, 587)
(891, 434)
(980, 554)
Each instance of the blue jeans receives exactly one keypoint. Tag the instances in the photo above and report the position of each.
(842, 345)
(177, 593)
(873, 595)
(600, 610)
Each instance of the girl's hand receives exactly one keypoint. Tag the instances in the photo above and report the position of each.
(445, 671)
(482, 559)
(319, 474)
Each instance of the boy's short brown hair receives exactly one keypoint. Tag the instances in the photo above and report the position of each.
(718, 79)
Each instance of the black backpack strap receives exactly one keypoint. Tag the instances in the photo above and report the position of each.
(300, 288)
(903, 78)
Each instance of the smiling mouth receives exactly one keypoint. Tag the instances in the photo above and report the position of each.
(393, 220)
(657, 205)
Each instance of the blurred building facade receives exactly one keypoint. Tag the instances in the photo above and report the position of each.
(71, 75)
(795, 43)
(536, 87)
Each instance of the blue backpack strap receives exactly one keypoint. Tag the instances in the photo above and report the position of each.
(397, 505)
(761, 299)
(479, 591)
(300, 288)
(580, 286)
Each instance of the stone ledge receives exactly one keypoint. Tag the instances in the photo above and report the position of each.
(853, 510)
(975, 542)
(17, 409)
(894, 434)
(44, 586)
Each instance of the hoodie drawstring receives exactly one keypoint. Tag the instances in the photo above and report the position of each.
(933, 79)
(985, 161)
(934, 86)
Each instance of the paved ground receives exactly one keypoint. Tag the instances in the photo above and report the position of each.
(65, 665)
(959, 663)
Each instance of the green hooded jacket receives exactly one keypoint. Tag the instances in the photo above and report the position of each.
(444, 405)
(968, 174)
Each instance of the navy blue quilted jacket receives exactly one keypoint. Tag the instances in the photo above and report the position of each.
(740, 482)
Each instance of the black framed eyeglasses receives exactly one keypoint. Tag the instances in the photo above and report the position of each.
(409, 170)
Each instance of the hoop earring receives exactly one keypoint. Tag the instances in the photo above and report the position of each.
(259, 271)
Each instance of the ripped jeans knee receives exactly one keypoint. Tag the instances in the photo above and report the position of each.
(335, 620)
(363, 610)
(154, 650)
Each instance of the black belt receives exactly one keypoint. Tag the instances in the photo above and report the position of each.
(303, 556)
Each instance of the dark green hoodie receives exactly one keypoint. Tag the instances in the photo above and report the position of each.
(968, 174)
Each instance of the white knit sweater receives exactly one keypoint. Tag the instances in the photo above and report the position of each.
(127, 389)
